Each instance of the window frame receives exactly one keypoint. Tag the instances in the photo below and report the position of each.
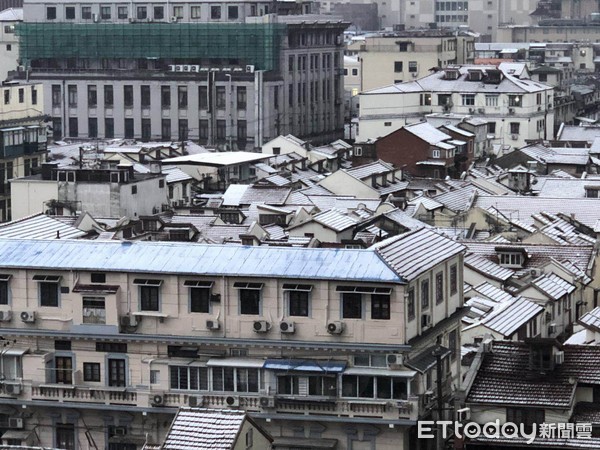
(92, 372)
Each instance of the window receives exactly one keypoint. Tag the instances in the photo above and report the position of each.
(221, 130)
(363, 386)
(21, 95)
(165, 97)
(105, 12)
(525, 416)
(249, 297)
(145, 96)
(94, 310)
(149, 294)
(166, 129)
(182, 97)
(232, 12)
(108, 96)
(92, 127)
(111, 347)
(7, 97)
(182, 128)
(412, 66)
(203, 129)
(50, 12)
(515, 100)
(129, 132)
(410, 304)
(215, 12)
(514, 259)
(117, 372)
(92, 96)
(72, 94)
(70, 12)
(241, 97)
(86, 12)
(351, 305)
(491, 100)
(234, 379)
(468, 99)
(242, 132)
(199, 296)
(491, 128)
(122, 12)
(439, 288)
(159, 13)
(4, 289)
(178, 12)
(188, 378)
(298, 297)
(453, 279)
(322, 386)
(370, 361)
(196, 12)
(141, 13)
(398, 66)
(48, 287)
(380, 307)
(63, 369)
(65, 436)
(203, 97)
(424, 294)
(425, 99)
(543, 77)
(220, 99)
(11, 367)
(514, 127)
(109, 127)
(435, 153)
(91, 371)
(444, 99)
(452, 343)
(128, 95)
(97, 277)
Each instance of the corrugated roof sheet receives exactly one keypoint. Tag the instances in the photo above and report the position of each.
(410, 254)
(508, 319)
(335, 220)
(493, 293)
(39, 226)
(198, 259)
(553, 285)
(200, 429)
(591, 319)
(488, 268)
(376, 167)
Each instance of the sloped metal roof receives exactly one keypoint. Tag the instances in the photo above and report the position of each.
(553, 285)
(197, 259)
(591, 319)
(39, 226)
(488, 268)
(512, 316)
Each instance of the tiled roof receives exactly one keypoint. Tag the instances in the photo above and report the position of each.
(502, 380)
(175, 174)
(335, 220)
(428, 203)
(460, 199)
(365, 171)
(539, 442)
(278, 180)
(578, 133)
(553, 285)
(199, 429)
(557, 155)
(508, 319)
(409, 222)
(582, 362)
(271, 195)
(427, 132)
(591, 319)
(487, 267)
(586, 412)
(410, 254)
(522, 207)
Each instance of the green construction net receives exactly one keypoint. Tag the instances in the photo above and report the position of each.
(256, 44)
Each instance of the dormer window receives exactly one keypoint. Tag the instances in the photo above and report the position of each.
(511, 259)
(475, 75)
(452, 74)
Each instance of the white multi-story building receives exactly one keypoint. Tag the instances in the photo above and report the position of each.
(232, 74)
(515, 109)
(9, 44)
(103, 341)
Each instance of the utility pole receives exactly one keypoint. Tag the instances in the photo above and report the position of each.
(437, 353)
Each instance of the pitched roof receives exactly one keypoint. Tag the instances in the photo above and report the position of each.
(493, 293)
(427, 132)
(39, 226)
(591, 319)
(512, 316)
(412, 253)
(553, 286)
(197, 259)
(335, 220)
(487, 267)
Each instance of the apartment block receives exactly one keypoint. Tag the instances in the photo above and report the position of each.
(103, 341)
(22, 137)
(9, 44)
(230, 75)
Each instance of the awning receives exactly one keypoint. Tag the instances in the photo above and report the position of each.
(11, 129)
(145, 282)
(96, 288)
(425, 360)
(198, 284)
(379, 372)
(14, 351)
(15, 434)
(302, 365)
(5, 276)
(236, 362)
(47, 278)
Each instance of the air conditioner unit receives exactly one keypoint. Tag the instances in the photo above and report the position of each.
(28, 316)
(250, 68)
(119, 431)
(559, 358)
(261, 326)
(15, 422)
(511, 111)
(428, 397)
(5, 316)
(335, 327)
(267, 402)
(549, 105)
(415, 74)
(158, 400)
(131, 19)
(535, 273)
(426, 320)
(215, 298)
(481, 110)
(129, 321)
(471, 110)
(174, 19)
(149, 19)
(95, 17)
(463, 415)
(13, 387)
(552, 328)
(514, 137)
(394, 359)
(232, 400)
(213, 324)
(286, 326)
(195, 401)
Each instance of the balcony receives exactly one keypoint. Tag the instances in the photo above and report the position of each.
(85, 394)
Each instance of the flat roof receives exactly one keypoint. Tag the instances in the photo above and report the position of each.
(216, 159)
